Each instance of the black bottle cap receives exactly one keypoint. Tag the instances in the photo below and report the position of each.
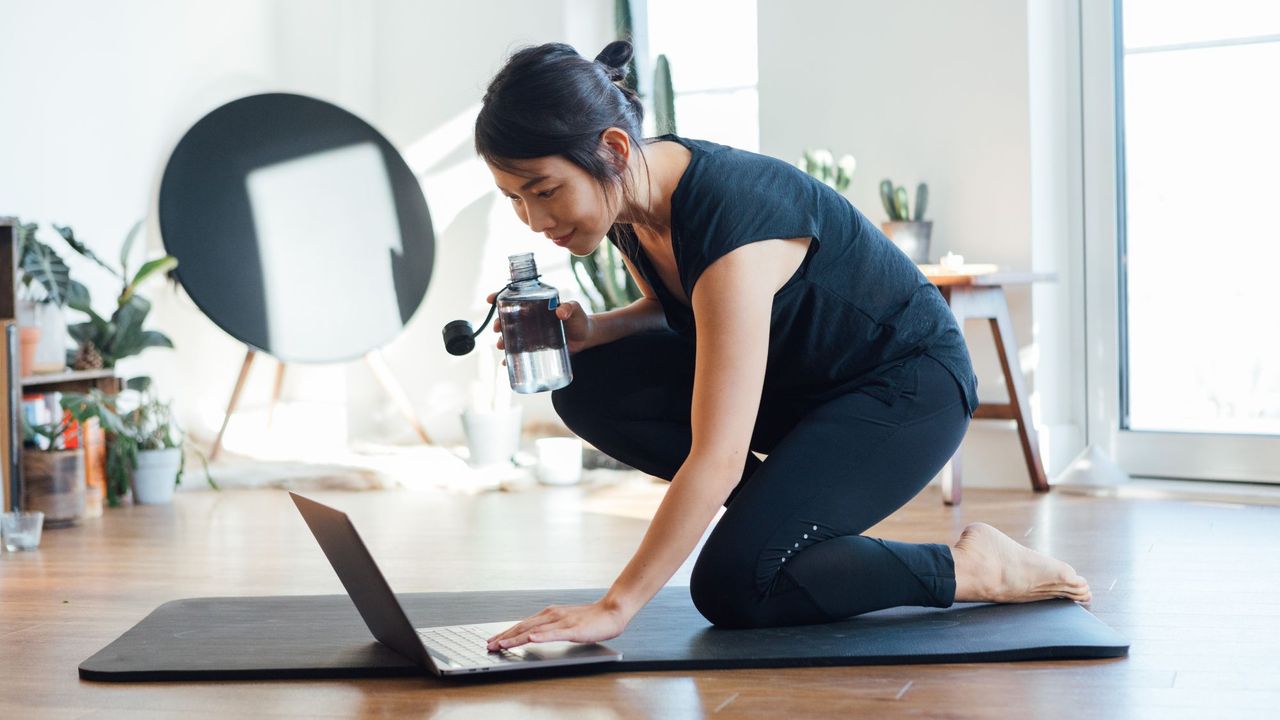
(459, 338)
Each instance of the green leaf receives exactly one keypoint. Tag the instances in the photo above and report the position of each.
(155, 338)
(128, 247)
(140, 383)
(161, 265)
(77, 296)
(41, 263)
(69, 236)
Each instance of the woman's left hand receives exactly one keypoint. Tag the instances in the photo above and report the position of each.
(577, 623)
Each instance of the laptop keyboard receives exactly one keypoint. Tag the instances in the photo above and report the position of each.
(466, 645)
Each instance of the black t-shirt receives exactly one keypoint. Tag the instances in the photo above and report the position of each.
(856, 315)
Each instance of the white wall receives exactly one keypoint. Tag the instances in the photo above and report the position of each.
(920, 90)
(96, 94)
(967, 96)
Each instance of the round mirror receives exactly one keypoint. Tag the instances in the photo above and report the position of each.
(298, 228)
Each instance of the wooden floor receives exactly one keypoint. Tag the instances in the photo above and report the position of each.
(1193, 585)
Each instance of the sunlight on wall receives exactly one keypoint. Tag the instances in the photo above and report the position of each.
(306, 255)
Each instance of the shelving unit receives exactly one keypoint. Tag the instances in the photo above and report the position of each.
(14, 383)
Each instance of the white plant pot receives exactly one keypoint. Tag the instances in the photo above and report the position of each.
(157, 473)
(492, 436)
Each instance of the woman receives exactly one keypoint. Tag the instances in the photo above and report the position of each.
(775, 318)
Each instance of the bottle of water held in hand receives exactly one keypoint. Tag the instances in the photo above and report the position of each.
(532, 335)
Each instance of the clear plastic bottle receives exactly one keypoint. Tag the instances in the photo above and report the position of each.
(537, 355)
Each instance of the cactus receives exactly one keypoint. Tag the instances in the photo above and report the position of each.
(664, 97)
(886, 198)
(822, 165)
(900, 203)
(623, 28)
(895, 201)
(603, 277)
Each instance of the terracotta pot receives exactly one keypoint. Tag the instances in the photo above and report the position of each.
(29, 339)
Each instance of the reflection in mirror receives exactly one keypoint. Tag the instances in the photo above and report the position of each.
(354, 237)
(298, 228)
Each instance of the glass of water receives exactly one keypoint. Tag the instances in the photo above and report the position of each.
(21, 530)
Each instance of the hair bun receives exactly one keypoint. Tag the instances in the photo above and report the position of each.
(614, 57)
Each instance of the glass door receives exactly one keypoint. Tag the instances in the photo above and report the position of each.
(1197, 236)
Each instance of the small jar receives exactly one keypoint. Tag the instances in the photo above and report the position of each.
(532, 334)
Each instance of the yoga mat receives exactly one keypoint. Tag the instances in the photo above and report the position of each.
(322, 636)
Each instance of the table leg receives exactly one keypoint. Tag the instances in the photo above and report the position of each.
(1019, 406)
(989, 303)
(957, 299)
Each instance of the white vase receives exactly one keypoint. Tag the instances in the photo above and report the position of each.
(493, 436)
(157, 473)
(51, 353)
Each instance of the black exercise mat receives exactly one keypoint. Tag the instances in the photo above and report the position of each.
(322, 636)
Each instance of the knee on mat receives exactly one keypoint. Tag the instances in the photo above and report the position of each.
(722, 603)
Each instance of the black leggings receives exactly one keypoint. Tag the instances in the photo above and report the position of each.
(788, 549)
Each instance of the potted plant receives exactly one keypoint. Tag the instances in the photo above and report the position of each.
(45, 288)
(144, 442)
(821, 164)
(907, 231)
(53, 478)
(103, 342)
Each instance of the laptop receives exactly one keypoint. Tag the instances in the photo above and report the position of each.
(443, 650)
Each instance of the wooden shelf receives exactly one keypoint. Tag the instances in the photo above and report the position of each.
(68, 377)
(15, 385)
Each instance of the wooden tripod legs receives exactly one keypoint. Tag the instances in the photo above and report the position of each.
(373, 358)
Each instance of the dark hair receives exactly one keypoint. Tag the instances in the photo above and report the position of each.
(549, 100)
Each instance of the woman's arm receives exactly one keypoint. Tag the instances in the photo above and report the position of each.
(732, 302)
(641, 315)
(697, 491)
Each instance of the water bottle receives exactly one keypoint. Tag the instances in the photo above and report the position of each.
(537, 354)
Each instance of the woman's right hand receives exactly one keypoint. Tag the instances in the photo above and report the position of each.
(578, 326)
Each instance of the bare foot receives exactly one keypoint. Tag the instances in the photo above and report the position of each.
(992, 567)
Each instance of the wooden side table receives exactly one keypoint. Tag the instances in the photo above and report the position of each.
(977, 292)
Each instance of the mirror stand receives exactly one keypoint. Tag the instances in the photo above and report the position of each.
(380, 371)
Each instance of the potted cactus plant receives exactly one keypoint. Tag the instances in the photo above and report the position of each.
(908, 231)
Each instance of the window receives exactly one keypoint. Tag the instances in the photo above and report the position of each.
(714, 74)
(1199, 233)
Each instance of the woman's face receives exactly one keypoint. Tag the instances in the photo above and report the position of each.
(558, 199)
